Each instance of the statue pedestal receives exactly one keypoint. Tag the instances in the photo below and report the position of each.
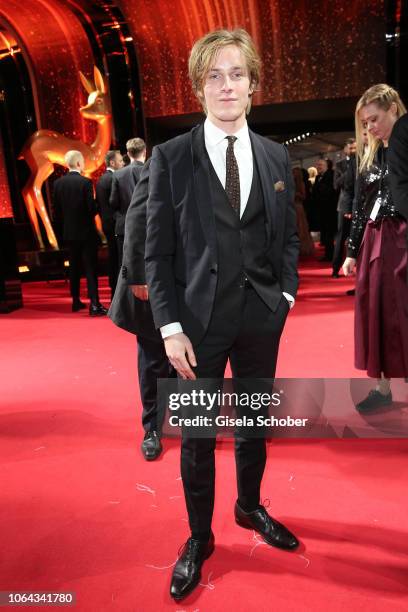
(11, 297)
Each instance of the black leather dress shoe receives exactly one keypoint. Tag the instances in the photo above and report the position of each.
(374, 400)
(187, 571)
(97, 310)
(335, 275)
(77, 305)
(273, 532)
(151, 446)
(351, 292)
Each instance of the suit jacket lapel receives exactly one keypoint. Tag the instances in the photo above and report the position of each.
(202, 187)
(268, 179)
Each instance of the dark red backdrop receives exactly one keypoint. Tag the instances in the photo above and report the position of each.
(309, 49)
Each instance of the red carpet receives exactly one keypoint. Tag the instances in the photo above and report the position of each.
(82, 511)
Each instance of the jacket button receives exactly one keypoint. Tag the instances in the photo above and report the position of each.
(213, 271)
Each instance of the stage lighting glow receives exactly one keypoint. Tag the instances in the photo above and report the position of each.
(298, 43)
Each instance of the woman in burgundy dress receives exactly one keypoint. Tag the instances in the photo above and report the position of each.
(378, 246)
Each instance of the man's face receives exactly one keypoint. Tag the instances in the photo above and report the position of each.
(117, 162)
(351, 148)
(379, 122)
(321, 166)
(226, 88)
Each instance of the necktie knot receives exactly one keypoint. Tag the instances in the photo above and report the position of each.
(231, 140)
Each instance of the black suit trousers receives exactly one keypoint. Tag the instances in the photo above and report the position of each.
(249, 337)
(343, 232)
(83, 252)
(113, 259)
(328, 232)
(152, 364)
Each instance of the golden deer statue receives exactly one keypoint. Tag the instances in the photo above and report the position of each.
(45, 148)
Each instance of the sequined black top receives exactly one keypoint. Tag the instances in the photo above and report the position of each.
(373, 184)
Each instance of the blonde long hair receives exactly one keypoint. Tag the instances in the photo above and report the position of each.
(383, 96)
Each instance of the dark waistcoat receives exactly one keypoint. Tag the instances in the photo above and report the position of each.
(241, 248)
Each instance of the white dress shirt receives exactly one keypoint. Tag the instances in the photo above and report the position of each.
(216, 144)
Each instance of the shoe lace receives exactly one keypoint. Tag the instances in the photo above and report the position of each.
(151, 434)
(189, 549)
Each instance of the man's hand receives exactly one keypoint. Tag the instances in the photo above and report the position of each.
(348, 216)
(348, 266)
(179, 351)
(140, 292)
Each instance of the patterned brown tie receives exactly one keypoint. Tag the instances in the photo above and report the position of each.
(232, 187)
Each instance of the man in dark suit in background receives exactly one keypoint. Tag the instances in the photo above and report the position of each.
(344, 205)
(324, 198)
(221, 269)
(123, 183)
(131, 311)
(113, 161)
(74, 209)
(398, 165)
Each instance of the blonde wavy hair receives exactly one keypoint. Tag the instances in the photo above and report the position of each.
(383, 96)
(205, 50)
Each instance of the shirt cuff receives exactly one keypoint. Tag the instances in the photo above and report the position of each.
(290, 299)
(171, 329)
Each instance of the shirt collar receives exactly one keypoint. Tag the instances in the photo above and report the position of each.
(214, 135)
(110, 169)
(75, 171)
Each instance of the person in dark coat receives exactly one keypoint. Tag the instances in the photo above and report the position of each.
(123, 184)
(343, 181)
(113, 161)
(75, 209)
(378, 246)
(324, 202)
(398, 164)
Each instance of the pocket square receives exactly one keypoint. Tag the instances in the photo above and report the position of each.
(279, 186)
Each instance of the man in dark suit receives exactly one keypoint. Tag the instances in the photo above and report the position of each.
(74, 209)
(343, 181)
(221, 269)
(398, 164)
(113, 161)
(398, 167)
(324, 201)
(123, 183)
(131, 311)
